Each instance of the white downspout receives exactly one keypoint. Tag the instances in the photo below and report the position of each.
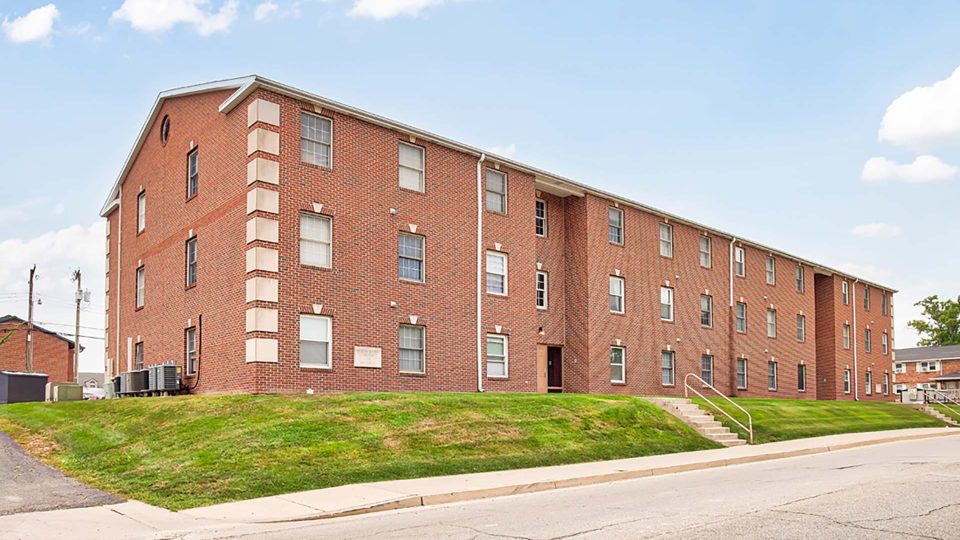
(731, 322)
(116, 306)
(856, 372)
(732, 241)
(483, 158)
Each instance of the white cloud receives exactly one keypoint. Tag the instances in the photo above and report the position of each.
(162, 15)
(34, 26)
(505, 151)
(868, 272)
(387, 9)
(57, 254)
(926, 114)
(21, 211)
(265, 9)
(876, 230)
(923, 169)
(59, 208)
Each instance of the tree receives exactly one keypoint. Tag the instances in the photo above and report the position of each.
(941, 322)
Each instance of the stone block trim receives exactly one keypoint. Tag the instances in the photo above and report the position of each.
(263, 229)
(263, 200)
(262, 140)
(261, 110)
(263, 259)
(262, 319)
(263, 289)
(261, 350)
(263, 170)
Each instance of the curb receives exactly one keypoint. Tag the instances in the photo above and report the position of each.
(444, 498)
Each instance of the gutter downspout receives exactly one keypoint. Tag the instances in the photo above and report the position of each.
(483, 158)
(856, 372)
(731, 323)
(116, 306)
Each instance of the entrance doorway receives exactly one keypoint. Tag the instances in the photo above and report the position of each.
(549, 368)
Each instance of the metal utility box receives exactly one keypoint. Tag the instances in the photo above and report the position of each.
(19, 387)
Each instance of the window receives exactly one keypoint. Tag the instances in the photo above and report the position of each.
(706, 368)
(771, 375)
(165, 129)
(741, 318)
(884, 343)
(616, 365)
(868, 382)
(496, 355)
(666, 240)
(739, 262)
(411, 349)
(541, 217)
(315, 341)
(316, 136)
(411, 167)
(706, 253)
(867, 335)
(742, 373)
(191, 259)
(801, 328)
(846, 336)
(141, 211)
(846, 381)
(411, 257)
(496, 273)
(496, 191)
(802, 377)
(616, 294)
(845, 293)
(800, 284)
(884, 303)
(666, 303)
(706, 310)
(615, 225)
(315, 240)
(771, 271)
(666, 368)
(927, 367)
(138, 355)
(140, 287)
(886, 383)
(190, 349)
(193, 172)
(899, 368)
(542, 280)
(866, 298)
(771, 323)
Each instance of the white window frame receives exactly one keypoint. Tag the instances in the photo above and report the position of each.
(540, 221)
(868, 382)
(884, 303)
(622, 296)
(741, 361)
(884, 343)
(866, 298)
(488, 192)
(771, 269)
(422, 349)
(618, 227)
(771, 365)
(801, 377)
(506, 356)
(543, 290)
(191, 242)
(886, 383)
(320, 241)
(666, 240)
(141, 287)
(622, 365)
(801, 328)
(771, 323)
(708, 311)
(505, 274)
(801, 276)
(193, 173)
(867, 340)
(421, 171)
(138, 355)
(666, 301)
(672, 369)
(706, 252)
(329, 144)
(328, 321)
(899, 367)
(141, 211)
(846, 336)
(737, 318)
(846, 381)
(706, 359)
(422, 260)
(931, 366)
(845, 292)
(190, 349)
(740, 262)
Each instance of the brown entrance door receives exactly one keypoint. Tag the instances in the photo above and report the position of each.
(554, 369)
(541, 368)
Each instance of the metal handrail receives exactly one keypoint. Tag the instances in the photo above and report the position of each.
(686, 392)
(943, 399)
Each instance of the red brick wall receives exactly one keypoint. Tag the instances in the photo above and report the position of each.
(51, 355)
(912, 377)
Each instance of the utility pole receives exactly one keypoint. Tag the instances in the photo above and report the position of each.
(33, 272)
(81, 296)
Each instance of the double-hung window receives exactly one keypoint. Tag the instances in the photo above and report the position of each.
(846, 381)
(496, 355)
(666, 368)
(899, 368)
(739, 261)
(771, 271)
(496, 273)
(411, 167)
(316, 139)
(666, 240)
(801, 328)
(771, 323)
(191, 261)
(141, 211)
(411, 257)
(542, 292)
(315, 341)
(884, 343)
(846, 336)
(884, 303)
(845, 292)
(800, 284)
(868, 382)
(540, 218)
(412, 346)
(706, 253)
(706, 310)
(866, 298)
(141, 286)
(616, 294)
(742, 373)
(190, 349)
(706, 368)
(741, 316)
(771, 375)
(867, 339)
(193, 172)
(666, 303)
(802, 377)
(496, 191)
(886, 383)
(615, 225)
(138, 355)
(617, 365)
(316, 233)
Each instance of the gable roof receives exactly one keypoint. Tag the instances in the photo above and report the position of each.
(545, 181)
(14, 318)
(919, 354)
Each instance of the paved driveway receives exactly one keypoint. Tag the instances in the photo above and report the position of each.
(26, 485)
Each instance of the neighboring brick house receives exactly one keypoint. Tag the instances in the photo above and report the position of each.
(927, 367)
(272, 240)
(52, 353)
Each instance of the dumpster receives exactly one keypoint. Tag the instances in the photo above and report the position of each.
(19, 387)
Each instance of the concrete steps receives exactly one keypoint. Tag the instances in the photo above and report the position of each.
(938, 415)
(701, 421)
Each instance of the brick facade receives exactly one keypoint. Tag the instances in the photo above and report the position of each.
(52, 354)
(252, 288)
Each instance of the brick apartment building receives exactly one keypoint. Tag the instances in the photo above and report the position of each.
(52, 353)
(927, 367)
(272, 240)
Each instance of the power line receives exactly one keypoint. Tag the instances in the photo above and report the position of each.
(69, 325)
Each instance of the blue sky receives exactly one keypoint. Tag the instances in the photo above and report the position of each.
(758, 118)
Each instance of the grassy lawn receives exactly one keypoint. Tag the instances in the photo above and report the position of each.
(198, 450)
(951, 412)
(784, 419)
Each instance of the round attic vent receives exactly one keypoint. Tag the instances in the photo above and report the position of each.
(165, 129)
